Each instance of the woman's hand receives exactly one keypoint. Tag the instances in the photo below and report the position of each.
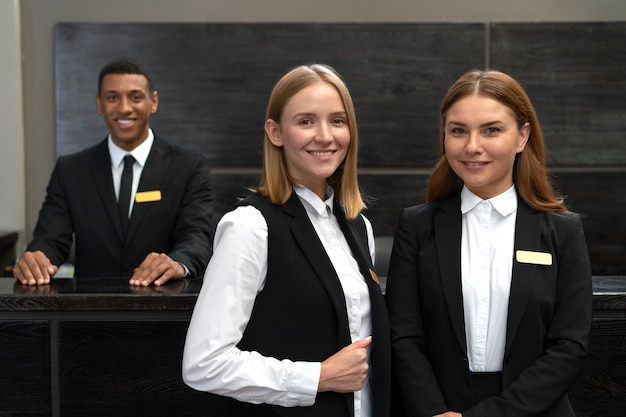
(346, 370)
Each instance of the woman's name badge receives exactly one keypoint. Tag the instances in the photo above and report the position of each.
(148, 196)
(374, 277)
(530, 257)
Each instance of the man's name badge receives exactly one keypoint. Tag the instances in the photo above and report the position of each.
(530, 257)
(148, 196)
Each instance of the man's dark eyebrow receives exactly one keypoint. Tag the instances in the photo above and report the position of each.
(117, 92)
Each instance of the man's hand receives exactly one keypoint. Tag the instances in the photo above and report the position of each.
(346, 370)
(157, 268)
(34, 268)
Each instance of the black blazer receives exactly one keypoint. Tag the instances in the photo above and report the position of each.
(301, 312)
(549, 316)
(81, 201)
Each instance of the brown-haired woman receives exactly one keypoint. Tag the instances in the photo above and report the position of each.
(489, 284)
(291, 319)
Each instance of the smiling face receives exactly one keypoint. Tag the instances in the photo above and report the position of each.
(314, 134)
(481, 140)
(125, 102)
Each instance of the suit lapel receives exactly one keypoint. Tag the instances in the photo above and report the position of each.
(151, 179)
(103, 180)
(527, 234)
(447, 222)
(306, 237)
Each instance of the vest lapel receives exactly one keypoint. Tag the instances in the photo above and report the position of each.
(306, 237)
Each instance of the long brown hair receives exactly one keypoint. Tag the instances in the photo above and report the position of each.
(276, 183)
(529, 171)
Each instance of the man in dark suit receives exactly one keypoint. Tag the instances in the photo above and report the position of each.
(150, 222)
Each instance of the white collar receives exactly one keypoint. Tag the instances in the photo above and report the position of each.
(505, 203)
(314, 201)
(140, 153)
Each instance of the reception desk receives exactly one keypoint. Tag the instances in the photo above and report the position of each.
(99, 347)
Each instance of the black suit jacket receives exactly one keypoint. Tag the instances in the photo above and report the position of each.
(81, 203)
(549, 315)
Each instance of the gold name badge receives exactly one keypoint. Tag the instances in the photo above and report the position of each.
(530, 257)
(374, 277)
(148, 196)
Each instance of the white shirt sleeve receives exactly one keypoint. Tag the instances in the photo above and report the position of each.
(211, 360)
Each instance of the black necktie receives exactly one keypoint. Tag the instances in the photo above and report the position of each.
(123, 201)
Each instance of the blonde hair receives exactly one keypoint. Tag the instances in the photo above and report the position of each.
(276, 183)
(529, 172)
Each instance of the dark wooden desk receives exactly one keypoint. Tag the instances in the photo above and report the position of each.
(601, 390)
(98, 347)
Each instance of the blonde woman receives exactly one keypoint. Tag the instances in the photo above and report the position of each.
(291, 320)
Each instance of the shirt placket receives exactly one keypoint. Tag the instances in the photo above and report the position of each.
(482, 317)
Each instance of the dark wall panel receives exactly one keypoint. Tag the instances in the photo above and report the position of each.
(387, 194)
(574, 74)
(596, 197)
(214, 81)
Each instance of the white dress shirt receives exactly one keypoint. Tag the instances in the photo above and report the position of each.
(487, 242)
(235, 275)
(140, 153)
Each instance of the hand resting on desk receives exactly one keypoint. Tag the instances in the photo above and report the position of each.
(157, 268)
(34, 268)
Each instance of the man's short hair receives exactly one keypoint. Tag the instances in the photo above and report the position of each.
(125, 66)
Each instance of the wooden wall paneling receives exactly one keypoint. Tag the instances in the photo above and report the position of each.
(390, 194)
(574, 74)
(214, 80)
(597, 196)
(387, 194)
(230, 187)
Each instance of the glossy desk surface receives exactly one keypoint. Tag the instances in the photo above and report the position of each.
(115, 294)
(86, 297)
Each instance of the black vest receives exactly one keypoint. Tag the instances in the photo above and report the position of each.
(300, 314)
